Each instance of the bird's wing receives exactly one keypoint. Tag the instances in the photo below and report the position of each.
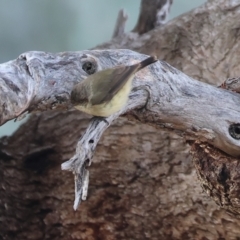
(79, 94)
(109, 82)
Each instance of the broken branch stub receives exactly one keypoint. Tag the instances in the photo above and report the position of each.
(119, 29)
(154, 13)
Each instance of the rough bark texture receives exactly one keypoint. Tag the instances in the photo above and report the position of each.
(203, 43)
(140, 189)
(219, 175)
(143, 184)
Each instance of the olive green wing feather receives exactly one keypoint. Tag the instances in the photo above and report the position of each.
(108, 82)
(79, 94)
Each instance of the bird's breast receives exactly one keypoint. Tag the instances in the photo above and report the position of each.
(106, 109)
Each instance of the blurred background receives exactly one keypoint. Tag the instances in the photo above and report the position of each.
(60, 25)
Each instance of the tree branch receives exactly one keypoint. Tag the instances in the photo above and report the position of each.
(120, 24)
(88, 143)
(193, 42)
(175, 100)
(153, 14)
(172, 197)
(194, 109)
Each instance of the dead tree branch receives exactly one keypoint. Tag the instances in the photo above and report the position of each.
(175, 101)
(153, 14)
(120, 24)
(128, 157)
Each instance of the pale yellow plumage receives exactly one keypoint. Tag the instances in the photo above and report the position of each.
(106, 109)
(106, 92)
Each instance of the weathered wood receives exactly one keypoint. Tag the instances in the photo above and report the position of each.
(195, 109)
(232, 84)
(120, 24)
(143, 184)
(174, 100)
(153, 13)
(194, 42)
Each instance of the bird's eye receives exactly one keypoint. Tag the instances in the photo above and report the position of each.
(89, 67)
(234, 130)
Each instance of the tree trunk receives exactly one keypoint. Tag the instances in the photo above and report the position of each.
(143, 184)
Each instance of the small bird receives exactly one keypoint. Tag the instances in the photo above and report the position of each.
(106, 92)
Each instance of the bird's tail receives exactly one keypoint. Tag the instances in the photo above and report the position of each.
(146, 62)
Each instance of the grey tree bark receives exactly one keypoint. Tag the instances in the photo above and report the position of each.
(143, 182)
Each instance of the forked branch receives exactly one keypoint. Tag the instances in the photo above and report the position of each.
(162, 96)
